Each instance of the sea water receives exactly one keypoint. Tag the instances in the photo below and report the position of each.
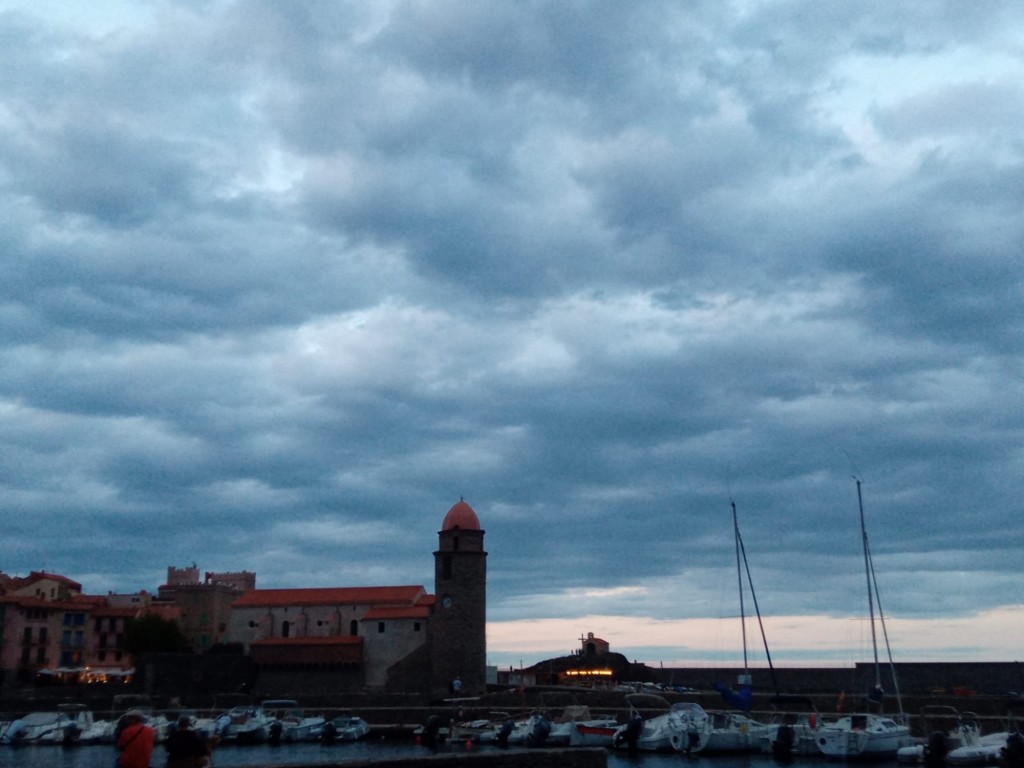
(102, 756)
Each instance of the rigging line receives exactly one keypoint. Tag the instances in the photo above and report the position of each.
(867, 574)
(757, 610)
(739, 579)
(885, 634)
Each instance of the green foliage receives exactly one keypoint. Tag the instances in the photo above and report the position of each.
(153, 634)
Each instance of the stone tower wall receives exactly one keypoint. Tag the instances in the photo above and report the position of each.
(458, 631)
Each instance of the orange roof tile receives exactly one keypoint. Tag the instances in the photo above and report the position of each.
(95, 600)
(272, 598)
(35, 576)
(110, 611)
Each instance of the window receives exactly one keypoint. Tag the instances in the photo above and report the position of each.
(446, 567)
(103, 640)
(41, 655)
(98, 625)
(353, 628)
(42, 634)
(380, 627)
(286, 628)
(27, 636)
(415, 626)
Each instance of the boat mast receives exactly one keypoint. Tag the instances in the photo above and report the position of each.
(867, 573)
(739, 579)
(885, 635)
(742, 551)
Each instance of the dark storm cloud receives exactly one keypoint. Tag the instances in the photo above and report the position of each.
(283, 281)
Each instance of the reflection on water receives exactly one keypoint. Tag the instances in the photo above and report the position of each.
(315, 754)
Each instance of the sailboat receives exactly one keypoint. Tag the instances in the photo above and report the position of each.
(868, 734)
(736, 731)
(792, 731)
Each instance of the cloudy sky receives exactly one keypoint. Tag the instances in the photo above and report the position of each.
(280, 282)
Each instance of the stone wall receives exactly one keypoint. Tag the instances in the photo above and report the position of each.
(534, 758)
(915, 678)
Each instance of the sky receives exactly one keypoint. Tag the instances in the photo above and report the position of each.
(281, 282)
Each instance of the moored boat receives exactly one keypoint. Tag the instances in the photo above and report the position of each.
(31, 728)
(862, 734)
(572, 715)
(246, 724)
(793, 729)
(592, 734)
(289, 722)
(946, 730)
(684, 727)
(734, 732)
(344, 727)
(76, 726)
(988, 750)
(868, 734)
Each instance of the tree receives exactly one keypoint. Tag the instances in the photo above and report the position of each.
(151, 633)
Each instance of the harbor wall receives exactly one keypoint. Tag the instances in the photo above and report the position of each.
(534, 758)
(914, 678)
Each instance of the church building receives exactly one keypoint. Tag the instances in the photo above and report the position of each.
(387, 638)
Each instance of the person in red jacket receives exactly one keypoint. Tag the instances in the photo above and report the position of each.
(135, 742)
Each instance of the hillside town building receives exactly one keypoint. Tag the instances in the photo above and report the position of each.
(387, 638)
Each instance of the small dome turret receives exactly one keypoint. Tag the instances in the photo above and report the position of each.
(462, 516)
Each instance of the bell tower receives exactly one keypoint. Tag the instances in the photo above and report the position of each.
(458, 632)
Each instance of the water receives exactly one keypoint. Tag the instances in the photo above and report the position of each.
(102, 756)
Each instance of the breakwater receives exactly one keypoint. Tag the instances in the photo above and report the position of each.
(534, 758)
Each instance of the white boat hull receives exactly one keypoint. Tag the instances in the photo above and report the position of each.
(731, 732)
(869, 736)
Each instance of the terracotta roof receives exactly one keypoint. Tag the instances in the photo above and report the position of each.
(35, 576)
(125, 612)
(461, 515)
(40, 602)
(333, 640)
(272, 598)
(397, 612)
(94, 600)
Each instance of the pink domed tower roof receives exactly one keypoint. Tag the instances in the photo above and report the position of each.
(461, 515)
